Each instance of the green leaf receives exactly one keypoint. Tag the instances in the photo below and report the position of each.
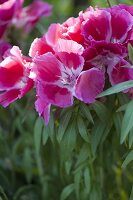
(38, 134)
(27, 164)
(130, 140)
(130, 52)
(127, 122)
(69, 141)
(122, 108)
(128, 159)
(101, 111)
(97, 133)
(28, 191)
(63, 125)
(87, 180)
(77, 181)
(45, 134)
(131, 195)
(51, 128)
(86, 112)
(83, 155)
(117, 118)
(67, 191)
(117, 88)
(83, 129)
(2, 194)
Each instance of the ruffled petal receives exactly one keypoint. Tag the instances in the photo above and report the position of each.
(68, 46)
(8, 97)
(43, 109)
(39, 47)
(122, 19)
(118, 73)
(51, 38)
(11, 72)
(47, 67)
(71, 61)
(55, 95)
(89, 84)
(98, 26)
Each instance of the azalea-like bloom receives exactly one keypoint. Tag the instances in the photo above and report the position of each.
(8, 9)
(102, 24)
(105, 44)
(70, 30)
(14, 77)
(60, 77)
(120, 72)
(30, 15)
(102, 54)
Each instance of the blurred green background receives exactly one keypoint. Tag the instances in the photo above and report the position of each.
(37, 164)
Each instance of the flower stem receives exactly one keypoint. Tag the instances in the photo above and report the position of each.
(108, 2)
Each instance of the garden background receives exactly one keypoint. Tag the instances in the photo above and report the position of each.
(59, 161)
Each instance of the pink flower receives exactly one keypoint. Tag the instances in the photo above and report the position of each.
(102, 24)
(70, 30)
(31, 14)
(59, 77)
(4, 47)
(120, 72)
(7, 12)
(40, 46)
(14, 77)
(103, 54)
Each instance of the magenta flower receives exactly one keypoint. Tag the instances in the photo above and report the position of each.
(7, 11)
(70, 30)
(120, 72)
(102, 24)
(102, 54)
(14, 77)
(40, 47)
(4, 48)
(59, 77)
(30, 15)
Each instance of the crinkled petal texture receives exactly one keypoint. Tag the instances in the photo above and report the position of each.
(56, 78)
(55, 95)
(89, 84)
(68, 46)
(102, 54)
(120, 72)
(98, 26)
(14, 80)
(122, 19)
(47, 67)
(39, 47)
(69, 30)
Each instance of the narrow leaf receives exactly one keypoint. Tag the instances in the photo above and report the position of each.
(128, 159)
(67, 191)
(130, 52)
(101, 111)
(63, 125)
(86, 112)
(127, 122)
(83, 129)
(38, 133)
(117, 88)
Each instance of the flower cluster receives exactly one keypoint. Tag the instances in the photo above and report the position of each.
(72, 60)
(13, 13)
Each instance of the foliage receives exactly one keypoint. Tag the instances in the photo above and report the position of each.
(78, 155)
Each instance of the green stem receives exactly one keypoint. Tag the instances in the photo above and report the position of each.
(108, 2)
